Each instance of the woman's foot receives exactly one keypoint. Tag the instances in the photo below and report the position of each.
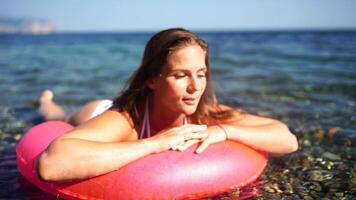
(46, 96)
(48, 108)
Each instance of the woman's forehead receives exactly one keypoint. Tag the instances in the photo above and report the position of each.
(187, 68)
(187, 58)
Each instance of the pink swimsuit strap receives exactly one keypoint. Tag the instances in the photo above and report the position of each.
(146, 123)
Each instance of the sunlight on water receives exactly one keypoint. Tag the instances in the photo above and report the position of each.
(306, 79)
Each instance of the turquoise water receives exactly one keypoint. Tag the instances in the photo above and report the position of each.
(305, 78)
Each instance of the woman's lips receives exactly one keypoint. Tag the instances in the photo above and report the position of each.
(189, 101)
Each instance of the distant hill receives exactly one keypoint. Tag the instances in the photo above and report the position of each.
(25, 25)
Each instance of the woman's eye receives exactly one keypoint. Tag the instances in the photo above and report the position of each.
(201, 75)
(178, 76)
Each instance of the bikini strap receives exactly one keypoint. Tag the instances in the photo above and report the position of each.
(185, 121)
(146, 123)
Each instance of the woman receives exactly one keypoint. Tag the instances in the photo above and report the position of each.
(169, 104)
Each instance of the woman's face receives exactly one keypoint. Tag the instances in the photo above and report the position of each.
(182, 81)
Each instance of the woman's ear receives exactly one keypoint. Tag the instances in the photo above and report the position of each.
(151, 83)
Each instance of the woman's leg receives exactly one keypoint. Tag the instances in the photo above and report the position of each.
(52, 111)
(85, 113)
(49, 109)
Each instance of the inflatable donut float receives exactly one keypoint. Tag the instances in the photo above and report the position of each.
(167, 175)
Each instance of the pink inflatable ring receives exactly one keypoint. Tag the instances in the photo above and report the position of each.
(168, 175)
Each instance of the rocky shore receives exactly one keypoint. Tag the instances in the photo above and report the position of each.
(25, 26)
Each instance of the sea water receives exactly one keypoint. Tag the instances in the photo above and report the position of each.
(306, 79)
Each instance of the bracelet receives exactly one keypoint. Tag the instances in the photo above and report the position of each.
(223, 128)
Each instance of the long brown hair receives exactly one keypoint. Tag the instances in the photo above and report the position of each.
(158, 48)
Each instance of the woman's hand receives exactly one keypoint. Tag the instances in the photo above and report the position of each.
(215, 134)
(171, 138)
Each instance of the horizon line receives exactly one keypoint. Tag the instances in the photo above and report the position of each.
(198, 30)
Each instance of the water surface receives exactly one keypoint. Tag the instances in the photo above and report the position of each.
(305, 78)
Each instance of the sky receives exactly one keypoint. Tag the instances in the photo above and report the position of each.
(143, 15)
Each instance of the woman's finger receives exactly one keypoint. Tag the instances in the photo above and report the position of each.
(175, 137)
(198, 136)
(191, 128)
(189, 140)
(203, 146)
(193, 133)
(175, 147)
(187, 144)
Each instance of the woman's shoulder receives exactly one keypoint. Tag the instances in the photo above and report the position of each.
(110, 126)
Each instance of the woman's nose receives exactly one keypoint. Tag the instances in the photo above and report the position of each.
(193, 85)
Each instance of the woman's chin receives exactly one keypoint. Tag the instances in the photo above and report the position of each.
(189, 110)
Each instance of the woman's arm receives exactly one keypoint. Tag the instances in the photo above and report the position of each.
(102, 145)
(91, 149)
(260, 133)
